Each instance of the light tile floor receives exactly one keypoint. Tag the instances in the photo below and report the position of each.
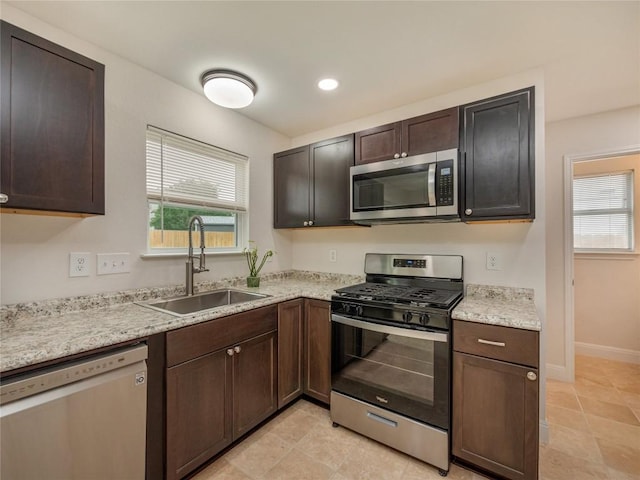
(594, 434)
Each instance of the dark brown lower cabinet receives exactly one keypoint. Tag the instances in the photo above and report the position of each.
(317, 349)
(221, 382)
(495, 405)
(199, 411)
(290, 348)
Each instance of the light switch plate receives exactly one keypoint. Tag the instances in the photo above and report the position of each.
(110, 263)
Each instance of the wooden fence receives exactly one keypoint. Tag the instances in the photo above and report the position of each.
(180, 239)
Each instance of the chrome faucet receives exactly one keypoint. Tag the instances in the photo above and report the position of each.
(191, 268)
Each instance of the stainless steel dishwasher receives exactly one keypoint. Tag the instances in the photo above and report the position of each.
(80, 420)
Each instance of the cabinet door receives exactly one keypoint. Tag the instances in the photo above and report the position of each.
(498, 158)
(290, 346)
(291, 188)
(495, 416)
(330, 162)
(254, 382)
(52, 131)
(317, 358)
(199, 416)
(431, 132)
(378, 143)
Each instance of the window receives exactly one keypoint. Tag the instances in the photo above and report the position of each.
(185, 178)
(603, 212)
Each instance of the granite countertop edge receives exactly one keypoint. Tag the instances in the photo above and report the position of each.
(497, 305)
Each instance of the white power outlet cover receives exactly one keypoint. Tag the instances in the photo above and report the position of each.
(79, 264)
(333, 255)
(110, 263)
(494, 262)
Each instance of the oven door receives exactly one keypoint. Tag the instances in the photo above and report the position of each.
(399, 369)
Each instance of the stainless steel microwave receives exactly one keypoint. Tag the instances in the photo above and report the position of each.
(419, 188)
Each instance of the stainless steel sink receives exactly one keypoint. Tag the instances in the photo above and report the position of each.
(187, 305)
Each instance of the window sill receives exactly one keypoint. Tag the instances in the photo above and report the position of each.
(606, 255)
(157, 256)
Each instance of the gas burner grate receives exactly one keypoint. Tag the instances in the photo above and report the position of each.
(399, 294)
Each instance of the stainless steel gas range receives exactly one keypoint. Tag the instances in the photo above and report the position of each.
(391, 355)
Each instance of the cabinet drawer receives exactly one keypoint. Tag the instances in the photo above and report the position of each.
(197, 340)
(501, 343)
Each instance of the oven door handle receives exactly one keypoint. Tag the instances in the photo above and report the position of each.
(401, 332)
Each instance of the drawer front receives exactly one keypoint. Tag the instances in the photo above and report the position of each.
(501, 343)
(197, 340)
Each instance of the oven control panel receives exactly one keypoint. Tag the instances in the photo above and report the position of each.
(410, 263)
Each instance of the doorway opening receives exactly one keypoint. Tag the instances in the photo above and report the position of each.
(602, 319)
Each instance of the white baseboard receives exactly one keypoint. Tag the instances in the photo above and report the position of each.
(611, 353)
(558, 372)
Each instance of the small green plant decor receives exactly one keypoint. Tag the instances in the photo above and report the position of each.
(251, 253)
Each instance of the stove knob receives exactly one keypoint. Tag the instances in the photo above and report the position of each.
(407, 316)
(424, 319)
(346, 308)
(358, 310)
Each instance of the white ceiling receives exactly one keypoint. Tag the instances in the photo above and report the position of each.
(384, 53)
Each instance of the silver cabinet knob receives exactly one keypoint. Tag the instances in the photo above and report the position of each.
(306, 224)
(404, 154)
(310, 223)
(237, 349)
(4, 198)
(230, 352)
(397, 155)
(532, 376)
(468, 211)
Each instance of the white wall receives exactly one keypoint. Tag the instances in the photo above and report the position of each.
(34, 249)
(604, 132)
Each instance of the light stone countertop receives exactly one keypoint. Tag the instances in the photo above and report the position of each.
(37, 332)
(494, 305)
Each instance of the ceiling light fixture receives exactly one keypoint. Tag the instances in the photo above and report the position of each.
(328, 84)
(227, 88)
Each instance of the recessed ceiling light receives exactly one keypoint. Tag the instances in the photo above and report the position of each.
(328, 84)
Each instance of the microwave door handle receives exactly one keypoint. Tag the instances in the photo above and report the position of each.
(431, 184)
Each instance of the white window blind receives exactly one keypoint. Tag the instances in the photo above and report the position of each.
(603, 212)
(187, 172)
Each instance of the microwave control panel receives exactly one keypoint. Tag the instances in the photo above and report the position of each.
(444, 183)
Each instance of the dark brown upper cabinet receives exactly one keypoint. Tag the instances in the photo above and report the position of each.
(311, 184)
(427, 133)
(52, 111)
(498, 158)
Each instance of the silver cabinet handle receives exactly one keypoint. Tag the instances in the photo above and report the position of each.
(305, 223)
(403, 154)
(532, 376)
(310, 223)
(397, 155)
(230, 352)
(4, 198)
(237, 349)
(491, 342)
(468, 211)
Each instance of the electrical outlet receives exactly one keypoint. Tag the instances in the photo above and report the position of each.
(494, 262)
(109, 263)
(79, 264)
(333, 255)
